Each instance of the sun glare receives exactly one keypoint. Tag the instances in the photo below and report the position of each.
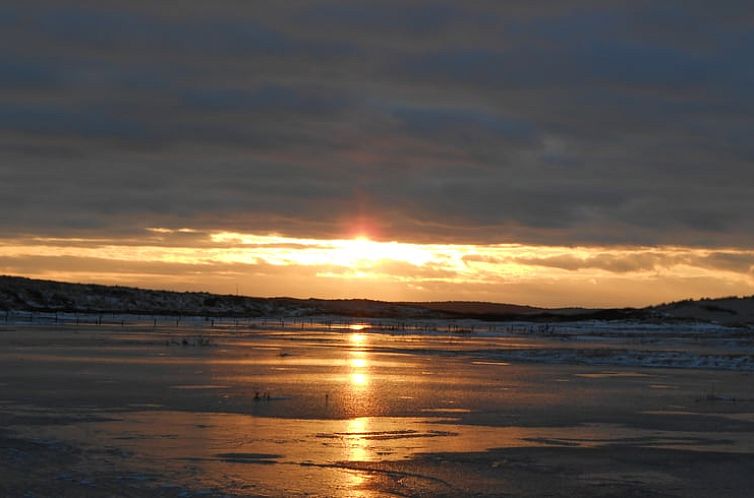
(189, 259)
(358, 254)
(363, 252)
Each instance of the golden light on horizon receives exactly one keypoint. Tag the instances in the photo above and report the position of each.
(359, 267)
(357, 253)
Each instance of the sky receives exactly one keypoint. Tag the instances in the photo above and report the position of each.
(553, 153)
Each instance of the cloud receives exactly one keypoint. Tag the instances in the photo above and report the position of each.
(611, 263)
(21, 73)
(463, 127)
(578, 122)
(741, 262)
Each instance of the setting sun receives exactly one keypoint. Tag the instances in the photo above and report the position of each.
(363, 252)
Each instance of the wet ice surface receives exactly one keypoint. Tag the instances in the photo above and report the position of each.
(179, 411)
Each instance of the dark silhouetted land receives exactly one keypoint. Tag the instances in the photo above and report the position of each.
(23, 294)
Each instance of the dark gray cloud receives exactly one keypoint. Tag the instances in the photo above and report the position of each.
(547, 122)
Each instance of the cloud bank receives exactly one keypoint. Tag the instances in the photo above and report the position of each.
(576, 122)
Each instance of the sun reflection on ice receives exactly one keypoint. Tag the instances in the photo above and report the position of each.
(358, 364)
(357, 450)
(359, 379)
(359, 370)
(357, 339)
(358, 447)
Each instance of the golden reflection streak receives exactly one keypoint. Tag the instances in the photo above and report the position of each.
(358, 363)
(357, 446)
(357, 450)
(357, 339)
(359, 373)
(359, 379)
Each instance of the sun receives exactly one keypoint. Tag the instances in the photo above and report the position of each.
(357, 252)
(362, 252)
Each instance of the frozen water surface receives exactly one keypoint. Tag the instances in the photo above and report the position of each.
(192, 410)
